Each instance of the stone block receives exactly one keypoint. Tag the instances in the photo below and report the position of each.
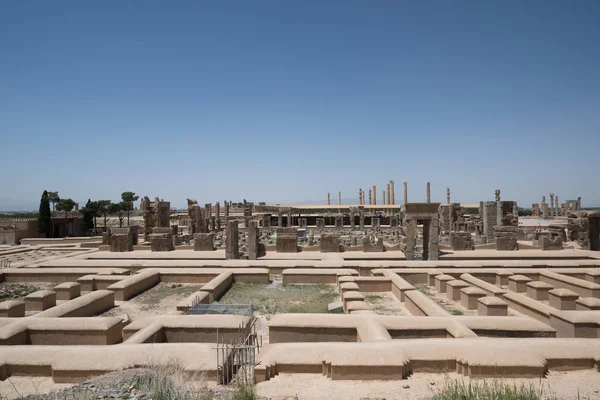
(441, 281)
(454, 287)
(506, 238)
(469, 296)
(461, 241)
(232, 249)
(369, 247)
(287, 240)
(330, 243)
(204, 241)
(67, 291)
(584, 304)
(12, 309)
(492, 306)
(40, 300)
(336, 307)
(161, 242)
(562, 299)
(546, 243)
(121, 243)
(518, 283)
(538, 290)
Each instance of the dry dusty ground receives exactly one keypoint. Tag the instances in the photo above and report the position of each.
(580, 385)
(159, 300)
(558, 385)
(385, 303)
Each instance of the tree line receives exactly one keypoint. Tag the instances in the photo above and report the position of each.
(91, 212)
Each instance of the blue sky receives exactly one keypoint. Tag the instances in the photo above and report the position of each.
(284, 101)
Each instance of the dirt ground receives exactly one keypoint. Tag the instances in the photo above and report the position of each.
(385, 303)
(575, 385)
(159, 300)
(454, 307)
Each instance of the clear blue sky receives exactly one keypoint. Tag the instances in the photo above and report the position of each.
(284, 101)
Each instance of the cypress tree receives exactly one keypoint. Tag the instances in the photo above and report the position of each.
(45, 217)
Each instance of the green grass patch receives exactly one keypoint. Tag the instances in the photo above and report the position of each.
(373, 298)
(495, 389)
(276, 298)
(152, 297)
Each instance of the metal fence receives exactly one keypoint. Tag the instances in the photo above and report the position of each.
(4, 264)
(236, 359)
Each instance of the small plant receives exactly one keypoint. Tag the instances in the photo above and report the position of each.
(458, 389)
(373, 298)
(244, 392)
(457, 312)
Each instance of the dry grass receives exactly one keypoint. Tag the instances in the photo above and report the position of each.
(277, 298)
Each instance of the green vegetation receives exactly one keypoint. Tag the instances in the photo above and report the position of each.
(276, 298)
(128, 199)
(66, 205)
(495, 389)
(119, 209)
(373, 298)
(152, 297)
(44, 223)
(457, 312)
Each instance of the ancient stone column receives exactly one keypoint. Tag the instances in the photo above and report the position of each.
(253, 240)
(405, 193)
(232, 251)
(218, 215)
(163, 214)
(411, 238)
(384, 197)
(428, 192)
(551, 204)
(434, 232)
(339, 198)
(544, 207)
(370, 197)
(361, 218)
(328, 199)
(289, 219)
(374, 195)
(279, 219)
(393, 192)
(447, 195)
(389, 193)
(226, 210)
(556, 206)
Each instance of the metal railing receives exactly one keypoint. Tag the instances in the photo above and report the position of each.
(236, 359)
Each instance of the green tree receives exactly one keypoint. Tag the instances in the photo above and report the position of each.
(54, 199)
(102, 207)
(65, 205)
(129, 198)
(119, 209)
(44, 224)
(89, 215)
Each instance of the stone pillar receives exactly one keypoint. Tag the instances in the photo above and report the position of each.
(370, 197)
(253, 240)
(361, 218)
(405, 193)
(163, 215)
(411, 238)
(428, 192)
(360, 197)
(289, 219)
(434, 232)
(352, 222)
(384, 197)
(447, 195)
(279, 219)
(374, 195)
(218, 215)
(339, 222)
(226, 210)
(328, 199)
(389, 193)
(232, 251)
(339, 198)
(556, 206)
(544, 207)
(393, 192)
